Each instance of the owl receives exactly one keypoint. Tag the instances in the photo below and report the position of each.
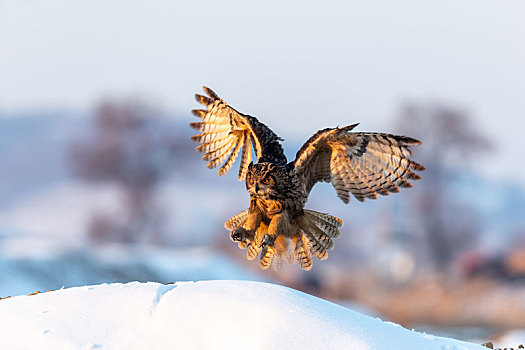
(276, 227)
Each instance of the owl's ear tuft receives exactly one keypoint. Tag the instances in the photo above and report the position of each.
(250, 166)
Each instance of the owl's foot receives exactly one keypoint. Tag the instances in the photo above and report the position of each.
(268, 241)
(240, 234)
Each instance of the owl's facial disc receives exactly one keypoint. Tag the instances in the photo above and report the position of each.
(259, 181)
(264, 186)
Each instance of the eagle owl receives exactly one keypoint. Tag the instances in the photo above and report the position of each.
(276, 226)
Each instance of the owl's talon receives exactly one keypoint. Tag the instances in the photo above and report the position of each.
(237, 234)
(267, 241)
(240, 234)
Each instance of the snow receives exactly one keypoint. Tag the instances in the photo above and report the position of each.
(197, 315)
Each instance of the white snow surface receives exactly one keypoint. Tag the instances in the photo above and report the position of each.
(197, 315)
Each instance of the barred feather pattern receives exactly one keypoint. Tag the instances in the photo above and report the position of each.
(313, 237)
(362, 165)
(225, 132)
(302, 253)
(358, 163)
(316, 249)
(236, 220)
(324, 219)
(246, 158)
(266, 258)
(253, 251)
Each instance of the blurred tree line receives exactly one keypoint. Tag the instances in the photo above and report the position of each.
(133, 146)
(451, 141)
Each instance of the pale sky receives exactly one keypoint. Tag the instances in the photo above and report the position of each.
(298, 66)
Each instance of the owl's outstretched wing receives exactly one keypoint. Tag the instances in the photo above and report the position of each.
(360, 163)
(223, 132)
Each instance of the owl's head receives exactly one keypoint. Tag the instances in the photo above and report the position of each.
(261, 180)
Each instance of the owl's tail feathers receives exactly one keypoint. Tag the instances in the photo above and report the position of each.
(253, 251)
(327, 223)
(236, 220)
(302, 251)
(318, 230)
(276, 254)
(267, 256)
(314, 237)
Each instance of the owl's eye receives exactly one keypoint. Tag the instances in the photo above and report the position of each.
(267, 180)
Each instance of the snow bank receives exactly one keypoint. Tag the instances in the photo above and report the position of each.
(200, 315)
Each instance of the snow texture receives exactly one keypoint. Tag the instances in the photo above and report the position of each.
(200, 315)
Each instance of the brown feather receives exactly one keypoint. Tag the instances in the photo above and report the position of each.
(226, 147)
(266, 258)
(233, 155)
(203, 100)
(236, 220)
(220, 158)
(246, 157)
(210, 93)
(252, 252)
(200, 113)
(212, 146)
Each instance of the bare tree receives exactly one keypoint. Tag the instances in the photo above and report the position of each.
(130, 147)
(450, 140)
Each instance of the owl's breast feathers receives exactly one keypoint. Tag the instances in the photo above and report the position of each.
(288, 193)
(268, 207)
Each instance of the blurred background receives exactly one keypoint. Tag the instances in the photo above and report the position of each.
(99, 181)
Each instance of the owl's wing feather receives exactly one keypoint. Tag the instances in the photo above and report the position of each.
(223, 132)
(359, 163)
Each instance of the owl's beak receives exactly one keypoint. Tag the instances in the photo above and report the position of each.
(256, 188)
